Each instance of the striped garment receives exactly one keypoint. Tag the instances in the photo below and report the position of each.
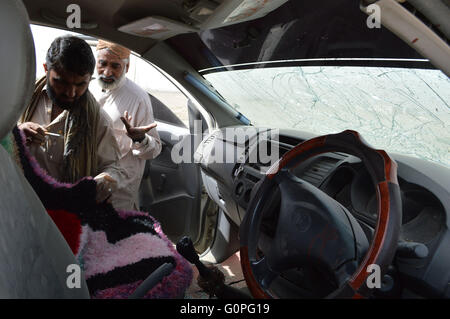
(117, 250)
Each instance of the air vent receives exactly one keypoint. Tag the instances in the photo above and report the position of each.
(317, 171)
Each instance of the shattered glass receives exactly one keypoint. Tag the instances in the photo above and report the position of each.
(399, 110)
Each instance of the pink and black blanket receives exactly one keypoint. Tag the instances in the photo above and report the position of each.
(116, 249)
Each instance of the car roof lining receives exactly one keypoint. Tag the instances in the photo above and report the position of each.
(334, 15)
(107, 16)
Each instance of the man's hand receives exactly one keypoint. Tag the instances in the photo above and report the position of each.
(106, 185)
(137, 134)
(34, 132)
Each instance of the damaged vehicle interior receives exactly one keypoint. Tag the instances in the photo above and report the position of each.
(315, 149)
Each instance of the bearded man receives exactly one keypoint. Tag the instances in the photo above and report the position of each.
(131, 111)
(67, 132)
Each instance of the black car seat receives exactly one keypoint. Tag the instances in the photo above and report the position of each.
(34, 256)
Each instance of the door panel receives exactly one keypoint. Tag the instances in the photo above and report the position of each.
(171, 191)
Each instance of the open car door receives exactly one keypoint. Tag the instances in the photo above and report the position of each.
(171, 187)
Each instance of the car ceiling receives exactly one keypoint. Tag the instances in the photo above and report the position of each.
(297, 30)
(104, 17)
(314, 29)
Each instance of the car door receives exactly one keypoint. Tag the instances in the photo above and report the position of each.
(171, 188)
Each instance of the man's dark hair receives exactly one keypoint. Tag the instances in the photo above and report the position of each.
(71, 54)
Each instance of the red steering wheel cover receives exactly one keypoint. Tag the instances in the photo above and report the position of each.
(386, 224)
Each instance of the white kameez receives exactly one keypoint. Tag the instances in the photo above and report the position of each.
(128, 96)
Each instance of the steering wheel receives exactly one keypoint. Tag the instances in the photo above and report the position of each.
(315, 230)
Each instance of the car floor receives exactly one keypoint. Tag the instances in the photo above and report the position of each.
(231, 268)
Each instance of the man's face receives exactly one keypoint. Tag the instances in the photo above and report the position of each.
(110, 68)
(66, 89)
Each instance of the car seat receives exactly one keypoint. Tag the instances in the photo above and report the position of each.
(34, 256)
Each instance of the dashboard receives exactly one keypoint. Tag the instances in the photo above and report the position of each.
(232, 168)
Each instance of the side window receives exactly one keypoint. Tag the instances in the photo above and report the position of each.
(169, 103)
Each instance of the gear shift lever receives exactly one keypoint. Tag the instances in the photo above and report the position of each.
(186, 248)
(211, 279)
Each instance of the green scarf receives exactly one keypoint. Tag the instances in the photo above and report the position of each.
(80, 138)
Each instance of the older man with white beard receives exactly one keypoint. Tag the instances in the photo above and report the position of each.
(130, 108)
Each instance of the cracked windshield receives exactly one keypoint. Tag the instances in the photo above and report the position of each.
(403, 111)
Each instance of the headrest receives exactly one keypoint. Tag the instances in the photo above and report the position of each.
(17, 63)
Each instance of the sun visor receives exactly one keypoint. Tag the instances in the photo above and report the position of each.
(236, 11)
(201, 15)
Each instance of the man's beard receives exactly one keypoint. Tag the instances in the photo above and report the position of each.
(64, 104)
(114, 84)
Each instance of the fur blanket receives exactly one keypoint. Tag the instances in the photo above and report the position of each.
(117, 250)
